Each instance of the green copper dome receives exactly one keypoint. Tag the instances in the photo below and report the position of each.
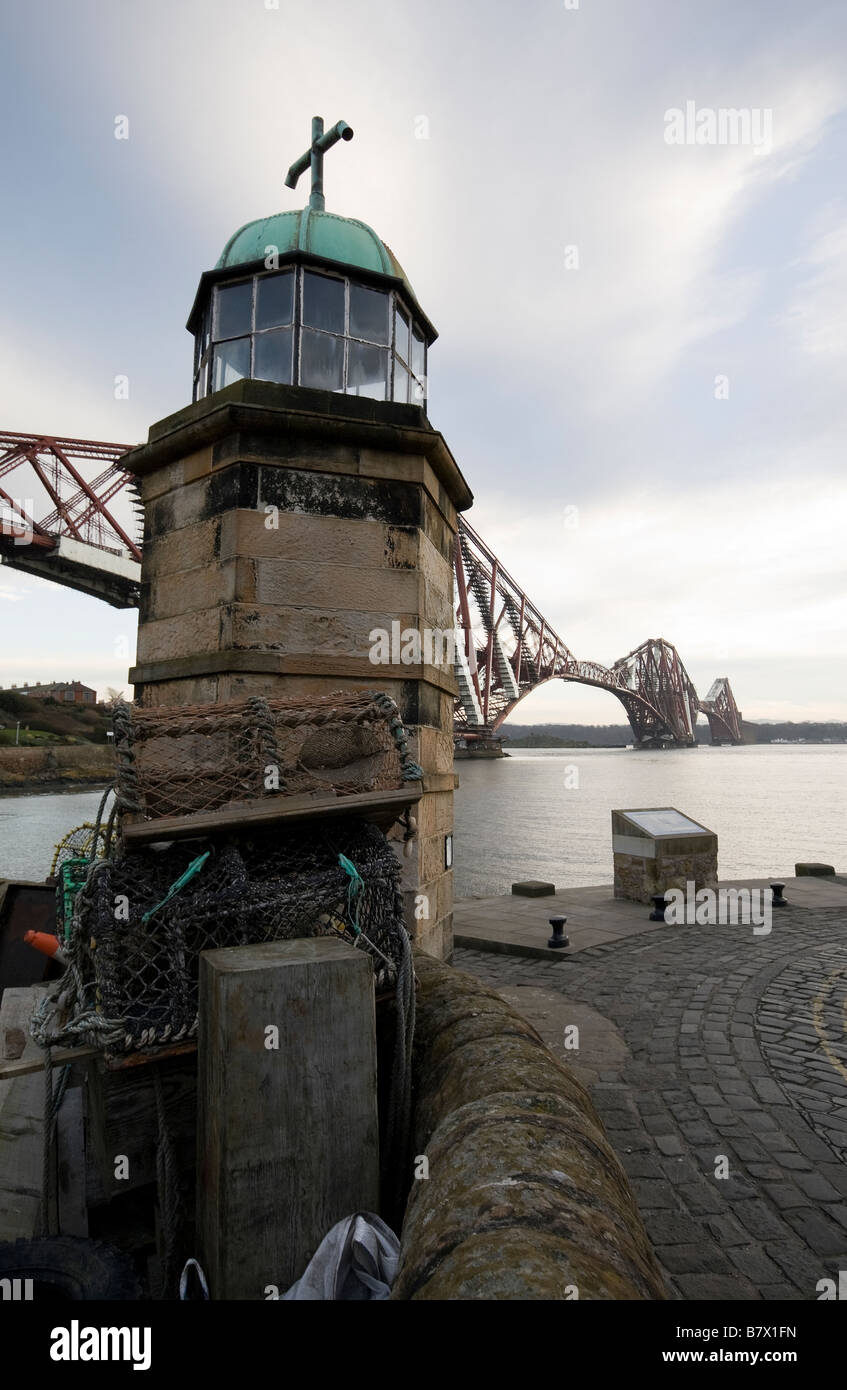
(341, 242)
(323, 234)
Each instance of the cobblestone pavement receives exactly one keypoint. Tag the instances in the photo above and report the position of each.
(738, 1048)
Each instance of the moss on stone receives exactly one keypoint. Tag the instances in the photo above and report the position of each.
(525, 1196)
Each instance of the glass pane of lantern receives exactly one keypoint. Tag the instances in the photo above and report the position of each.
(274, 300)
(401, 383)
(272, 356)
(368, 314)
(233, 309)
(418, 352)
(418, 392)
(401, 334)
(323, 302)
(367, 371)
(231, 362)
(321, 361)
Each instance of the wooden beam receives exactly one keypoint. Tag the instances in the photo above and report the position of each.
(21, 1119)
(380, 806)
(28, 1066)
(287, 1133)
(70, 1165)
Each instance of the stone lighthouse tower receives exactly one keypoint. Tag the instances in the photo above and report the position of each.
(303, 503)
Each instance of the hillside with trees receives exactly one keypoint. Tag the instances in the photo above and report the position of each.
(50, 722)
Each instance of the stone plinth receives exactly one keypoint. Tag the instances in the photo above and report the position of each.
(283, 528)
(658, 848)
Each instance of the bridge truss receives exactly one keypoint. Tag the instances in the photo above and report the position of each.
(506, 648)
(77, 540)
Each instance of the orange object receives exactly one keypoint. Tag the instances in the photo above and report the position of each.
(47, 944)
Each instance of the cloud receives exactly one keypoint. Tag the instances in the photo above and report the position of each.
(726, 582)
(719, 526)
(817, 313)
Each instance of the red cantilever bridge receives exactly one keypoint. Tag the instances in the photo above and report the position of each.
(505, 648)
(509, 649)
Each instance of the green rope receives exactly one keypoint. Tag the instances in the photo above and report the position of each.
(194, 868)
(354, 888)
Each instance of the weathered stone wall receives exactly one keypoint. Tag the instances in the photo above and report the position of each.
(525, 1198)
(639, 879)
(282, 526)
(22, 769)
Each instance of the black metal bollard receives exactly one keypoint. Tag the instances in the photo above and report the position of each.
(659, 905)
(778, 900)
(558, 939)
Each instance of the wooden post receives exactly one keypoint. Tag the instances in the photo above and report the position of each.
(287, 1133)
(21, 1117)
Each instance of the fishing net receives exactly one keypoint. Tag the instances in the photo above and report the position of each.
(142, 919)
(137, 918)
(178, 761)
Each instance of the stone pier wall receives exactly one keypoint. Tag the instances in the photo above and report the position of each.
(525, 1197)
(26, 769)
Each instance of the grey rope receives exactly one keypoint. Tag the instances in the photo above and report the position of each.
(264, 723)
(52, 1102)
(411, 771)
(167, 1186)
(72, 992)
(398, 1128)
(128, 796)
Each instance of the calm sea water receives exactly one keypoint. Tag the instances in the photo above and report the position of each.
(547, 815)
(30, 827)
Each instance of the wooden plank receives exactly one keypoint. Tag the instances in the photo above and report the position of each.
(29, 1065)
(21, 1120)
(24, 1066)
(383, 807)
(70, 1167)
(122, 1121)
(150, 1056)
(287, 1134)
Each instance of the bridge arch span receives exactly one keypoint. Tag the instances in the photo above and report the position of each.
(506, 649)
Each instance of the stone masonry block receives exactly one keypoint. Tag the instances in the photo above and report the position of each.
(318, 583)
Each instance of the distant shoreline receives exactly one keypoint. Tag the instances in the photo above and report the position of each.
(83, 784)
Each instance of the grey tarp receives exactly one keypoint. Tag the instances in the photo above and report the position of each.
(356, 1260)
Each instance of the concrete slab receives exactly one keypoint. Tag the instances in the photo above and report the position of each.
(576, 1034)
(520, 926)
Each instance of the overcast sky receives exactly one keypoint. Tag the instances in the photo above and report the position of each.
(711, 514)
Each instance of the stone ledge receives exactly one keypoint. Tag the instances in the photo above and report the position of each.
(279, 664)
(526, 1198)
(300, 413)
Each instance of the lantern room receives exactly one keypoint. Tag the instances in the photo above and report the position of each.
(311, 299)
